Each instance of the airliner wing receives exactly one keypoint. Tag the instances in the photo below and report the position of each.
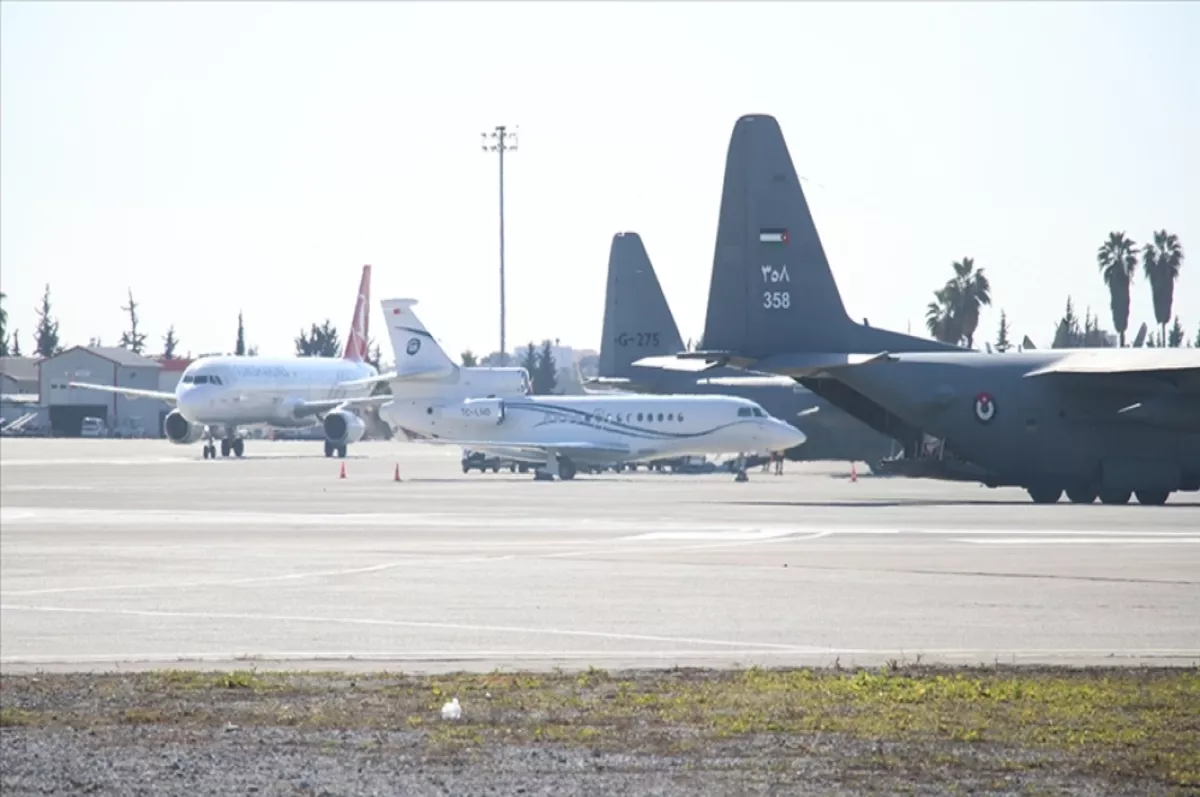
(370, 380)
(128, 392)
(308, 408)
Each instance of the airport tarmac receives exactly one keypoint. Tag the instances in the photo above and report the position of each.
(129, 554)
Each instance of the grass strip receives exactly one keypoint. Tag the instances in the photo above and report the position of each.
(1116, 723)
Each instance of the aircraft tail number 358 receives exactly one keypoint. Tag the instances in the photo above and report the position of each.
(777, 300)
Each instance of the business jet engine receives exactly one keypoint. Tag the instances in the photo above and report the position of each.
(343, 427)
(180, 430)
(486, 411)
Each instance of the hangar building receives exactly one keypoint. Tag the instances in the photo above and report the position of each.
(103, 365)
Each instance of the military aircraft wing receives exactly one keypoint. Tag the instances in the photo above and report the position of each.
(1124, 361)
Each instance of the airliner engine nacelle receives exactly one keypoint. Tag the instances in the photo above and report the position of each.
(179, 430)
(488, 411)
(343, 427)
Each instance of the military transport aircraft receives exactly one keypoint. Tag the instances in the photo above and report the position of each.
(1093, 422)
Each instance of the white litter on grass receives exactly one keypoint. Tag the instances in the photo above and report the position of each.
(452, 710)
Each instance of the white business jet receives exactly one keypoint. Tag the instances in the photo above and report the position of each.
(491, 410)
(218, 395)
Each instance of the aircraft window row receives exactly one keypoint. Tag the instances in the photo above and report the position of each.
(202, 379)
(640, 417)
(748, 412)
(650, 417)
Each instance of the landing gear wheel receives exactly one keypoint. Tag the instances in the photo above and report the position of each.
(1115, 496)
(741, 476)
(1045, 495)
(210, 451)
(225, 448)
(328, 449)
(566, 469)
(1081, 495)
(341, 451)
(1152, 497)
(239, 447)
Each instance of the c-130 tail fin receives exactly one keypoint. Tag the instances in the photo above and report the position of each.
(637, 319)
(771, 290)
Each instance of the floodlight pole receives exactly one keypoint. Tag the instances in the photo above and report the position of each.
(502, 141)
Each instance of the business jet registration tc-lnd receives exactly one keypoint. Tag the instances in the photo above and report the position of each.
(217, 396)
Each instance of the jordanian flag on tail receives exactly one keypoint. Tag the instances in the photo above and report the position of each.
(773, 236)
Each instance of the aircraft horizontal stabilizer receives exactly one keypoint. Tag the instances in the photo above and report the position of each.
(765, 380)
(802, 364)
(686, 361)
(128, 392)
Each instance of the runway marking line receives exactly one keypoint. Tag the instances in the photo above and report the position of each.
(550, 655)
(498, 629)
(353, 571)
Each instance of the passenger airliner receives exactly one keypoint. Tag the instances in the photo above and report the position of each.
(491, 410)
(217, 395)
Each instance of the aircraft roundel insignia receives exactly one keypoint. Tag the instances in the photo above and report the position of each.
(414, 346)
(985, 407)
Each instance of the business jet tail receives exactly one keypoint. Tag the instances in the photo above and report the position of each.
(418, 355)
(356, 341)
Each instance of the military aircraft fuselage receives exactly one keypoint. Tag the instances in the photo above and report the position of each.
(1116, 431)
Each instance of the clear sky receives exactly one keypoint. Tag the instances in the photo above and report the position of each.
(223, 156)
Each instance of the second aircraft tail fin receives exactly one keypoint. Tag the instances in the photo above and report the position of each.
(637, 319)
(418, 355)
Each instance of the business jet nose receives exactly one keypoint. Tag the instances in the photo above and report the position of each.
(786, 436)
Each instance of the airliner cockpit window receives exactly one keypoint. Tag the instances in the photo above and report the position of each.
(201, 379)
(187, 380)
(759, 413)
(744, 412)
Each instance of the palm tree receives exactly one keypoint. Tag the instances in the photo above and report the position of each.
(1160, 264)
(955, 315)
(3, 326)
(1118, 262)
(971, 291)
(940, 320)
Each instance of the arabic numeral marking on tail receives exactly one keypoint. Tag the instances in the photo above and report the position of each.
(777, 300)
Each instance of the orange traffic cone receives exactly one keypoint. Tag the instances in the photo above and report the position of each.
(342, 475)
(853, 472)
(396, 476)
